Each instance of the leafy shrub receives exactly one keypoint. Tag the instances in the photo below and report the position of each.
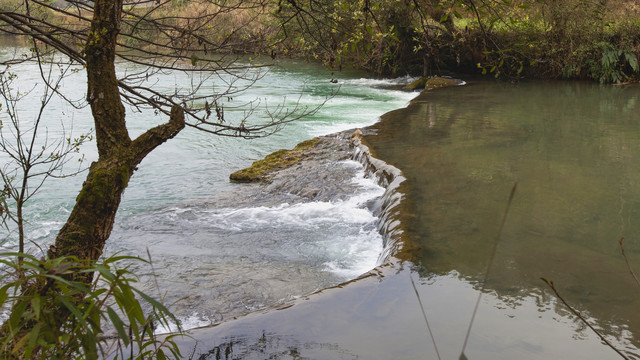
(54, 314)
(612, 64)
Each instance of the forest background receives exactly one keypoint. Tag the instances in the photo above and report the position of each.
(550, 39)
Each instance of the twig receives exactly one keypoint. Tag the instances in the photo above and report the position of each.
(576, 313)
(489, 265)
(628, 264)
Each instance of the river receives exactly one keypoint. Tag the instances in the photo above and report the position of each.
(263, 255)
(216, 255)
(572, 149)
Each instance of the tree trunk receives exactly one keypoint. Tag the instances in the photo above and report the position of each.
(91, 221)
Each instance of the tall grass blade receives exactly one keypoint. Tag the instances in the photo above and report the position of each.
(486, 274)
(424, 315)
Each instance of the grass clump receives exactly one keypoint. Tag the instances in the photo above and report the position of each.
(261, 169)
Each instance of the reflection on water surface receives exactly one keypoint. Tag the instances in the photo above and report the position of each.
(574, 150)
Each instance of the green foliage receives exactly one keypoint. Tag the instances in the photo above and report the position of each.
(506, 39)
(56, 315)
(573, 39)
(611, 67)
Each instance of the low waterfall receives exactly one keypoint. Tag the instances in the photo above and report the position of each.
(387, 208)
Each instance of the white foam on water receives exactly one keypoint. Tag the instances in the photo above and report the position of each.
(403, 80)
(324, 129)
(355, 255)
(358, 103)
(342, 234)
(302, 215)
(193, 321)
(358, 254)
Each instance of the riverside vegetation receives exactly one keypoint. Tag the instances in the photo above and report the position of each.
(574, 39)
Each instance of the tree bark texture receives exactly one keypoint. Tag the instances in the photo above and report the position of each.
(91, 220)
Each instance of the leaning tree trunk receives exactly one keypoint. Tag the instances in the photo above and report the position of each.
(91, 220)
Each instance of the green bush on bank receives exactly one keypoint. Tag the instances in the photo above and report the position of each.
(59, 316)
(573, 39)
(587, 44)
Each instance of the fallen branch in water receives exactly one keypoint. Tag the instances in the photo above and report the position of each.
(628, 264)
(584, 321)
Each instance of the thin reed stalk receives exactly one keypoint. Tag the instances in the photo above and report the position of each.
(424, 315)
(486, 275)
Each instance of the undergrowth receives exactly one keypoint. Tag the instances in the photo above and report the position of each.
(67, 318)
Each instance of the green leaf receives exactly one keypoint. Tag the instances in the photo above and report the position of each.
(632, 60)
(16, 315)
(31, 343)
(119, 325)
(18, 254)
(105, 271)
(160, 355)
(122, 257)
(20, 344)
(158, 305)
(35, 306)
(131, 307)
(74, 310)
(3, 294)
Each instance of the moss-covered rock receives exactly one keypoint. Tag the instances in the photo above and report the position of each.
(431, 83)
(417, 85)
(260, 170)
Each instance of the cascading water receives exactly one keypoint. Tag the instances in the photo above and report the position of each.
(220, 250)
